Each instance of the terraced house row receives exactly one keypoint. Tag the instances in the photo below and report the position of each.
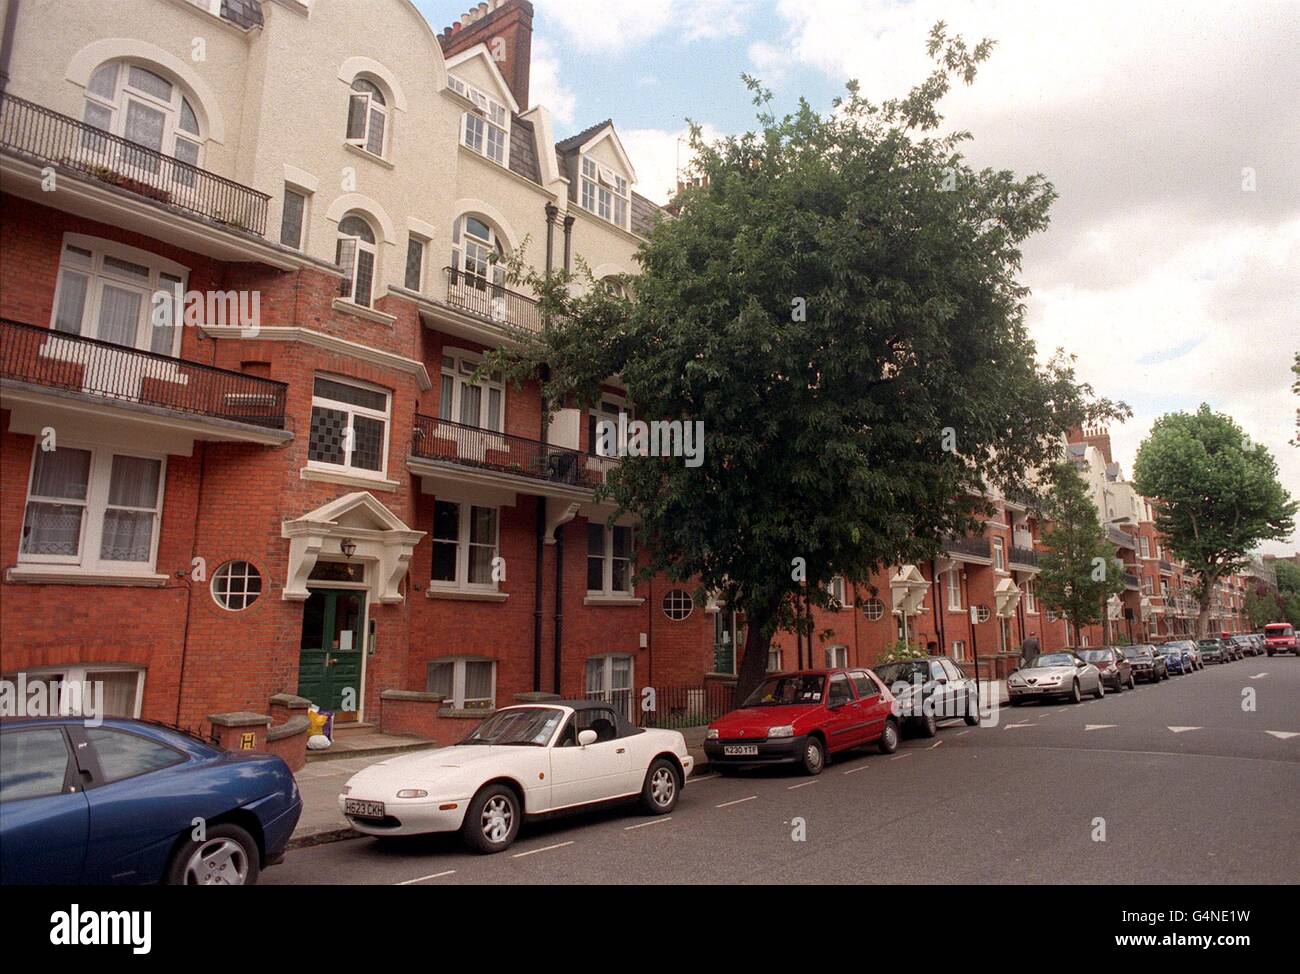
(246, 276)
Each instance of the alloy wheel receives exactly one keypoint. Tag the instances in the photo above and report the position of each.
(663, 786)
(217, 862)
(497, 818)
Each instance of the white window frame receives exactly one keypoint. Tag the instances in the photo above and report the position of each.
(464, 518)
(125, 93)
(608, 410)
(76, 673)
(836, 656)
(774, 657)
(999, 555)
(838, 589)
(456, 368)
(99, 274)
(374, 105)
(1031, 598)
(306, 216)
(458, 663)
(603, 192)
(952, 585)
(467, 259)
(959, 650)
(94, 507)
(352, 411)
(607, 562)
(1145, 544)
(359, 245)
(606, 692)
(489, 118)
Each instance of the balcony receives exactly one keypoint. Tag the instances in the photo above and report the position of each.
(1024, 557)
(1121, 538)
(50, 138)
(1166, 566)
(980, 548)
(86, 368)
(480, 298)
(470, 446)
(1130, 581)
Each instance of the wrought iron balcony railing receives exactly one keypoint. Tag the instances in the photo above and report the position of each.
(1130, 580)
(59, 360)
(1024, 556)
(472, 446)
(1121, 538)
(1166, 566)
(975, 547)
(37, 132)
(492, 302)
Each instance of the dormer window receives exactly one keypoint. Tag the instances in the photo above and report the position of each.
(486, 127)
(604, 192)
(367, 116)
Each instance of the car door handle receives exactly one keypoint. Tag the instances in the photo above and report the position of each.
(621, 750)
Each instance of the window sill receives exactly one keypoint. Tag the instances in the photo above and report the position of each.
(361, 311)
(71, 575)
(612, 600)
(367, 154)
(464, 595)
(462, 713)
(347, 479)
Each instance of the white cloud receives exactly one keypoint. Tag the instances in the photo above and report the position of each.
(769, 62)
(545, 86)
(615, 25)
(658, 155)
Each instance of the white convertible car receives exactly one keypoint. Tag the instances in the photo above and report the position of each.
(524, 761)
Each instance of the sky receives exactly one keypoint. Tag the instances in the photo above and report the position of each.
(1171, 131)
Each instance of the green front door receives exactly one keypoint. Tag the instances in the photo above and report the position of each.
(333, 635)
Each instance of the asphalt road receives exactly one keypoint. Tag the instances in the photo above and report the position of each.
(1191, 788)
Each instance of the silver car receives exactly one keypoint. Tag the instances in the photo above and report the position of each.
(1058, 674)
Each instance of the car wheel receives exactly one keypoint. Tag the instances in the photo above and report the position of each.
(1132, 681)
(1075, 694)
(814, 756)
(889, 737)
(661, 788)
(1165, 674)
(227, 856)
(928, 725)
(492, 819)
(1101, 689)
(972, 710)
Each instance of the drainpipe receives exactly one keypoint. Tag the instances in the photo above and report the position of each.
(7, 42)
(552, 211)
(568, 244)
(938, 615)
(559, 600)
(189, 588)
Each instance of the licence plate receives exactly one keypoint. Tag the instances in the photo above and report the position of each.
(739, 750)
(363, 809)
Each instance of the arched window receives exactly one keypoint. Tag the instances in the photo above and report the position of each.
(367, 116)
(146, 108)
(476, 252)
(356, 255)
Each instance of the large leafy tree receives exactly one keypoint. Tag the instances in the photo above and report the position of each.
(836, 301)
(1288, 590)
(1217, 495)
(1079, 570)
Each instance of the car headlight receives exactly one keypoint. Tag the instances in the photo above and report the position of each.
(711, 734)
(1015, 681)
(1050, 679)
(785, 730)
(412, 793)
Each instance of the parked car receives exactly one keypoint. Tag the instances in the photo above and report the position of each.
(927, 691)
(1280, 637)
(1231, 648)
(1189, 647)
(1261, 644)
(1059, 674)
(803, 718)
(1212, 650)
(1177, 658)
(523, 762)
(1147, 664)
(1244, 644)
(119, 803)
(1115, 669)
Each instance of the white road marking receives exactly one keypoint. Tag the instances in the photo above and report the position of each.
(736, 802)
(421, 879)
(802, 784)
(706, 777)
(1023, 724)
(1284, 735)
(1258, 676)
(658, 821)
(545, 848)
(1179, 730)
(899, 757)
(1090, 727)
(934, 745)
(860, 767)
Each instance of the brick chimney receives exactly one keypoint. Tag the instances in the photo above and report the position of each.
(1098, 436)
(506, 27)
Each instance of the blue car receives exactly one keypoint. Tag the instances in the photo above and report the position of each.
(1176, 658)
(127, 801)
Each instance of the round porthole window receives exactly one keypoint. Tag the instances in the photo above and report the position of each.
(236, 585)
(678, 604)
(873, 609)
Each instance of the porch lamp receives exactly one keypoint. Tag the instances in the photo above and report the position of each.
(348, 547)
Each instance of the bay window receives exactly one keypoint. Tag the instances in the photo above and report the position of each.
(93, 508)
(349, 427)
(466, 684)
(465, 544)
(609, 559)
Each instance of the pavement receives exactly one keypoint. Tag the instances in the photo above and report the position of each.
(1171, 783)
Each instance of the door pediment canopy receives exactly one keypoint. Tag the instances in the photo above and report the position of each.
(384, 544)
(907, 590)
(1007, 596)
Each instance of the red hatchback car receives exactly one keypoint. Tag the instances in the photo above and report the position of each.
(803, 718)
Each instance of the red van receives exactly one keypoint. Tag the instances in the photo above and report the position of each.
(1280, 637)
(802, 718)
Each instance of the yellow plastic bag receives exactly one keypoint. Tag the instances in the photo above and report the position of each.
(315, 723)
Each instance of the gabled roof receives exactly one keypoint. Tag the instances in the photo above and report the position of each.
(574, 141)
(590, 136)
(481, 51)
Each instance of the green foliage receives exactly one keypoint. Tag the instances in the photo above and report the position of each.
(834, 300)
(1288, 590)
(1079, 572)
(1218, 494)
(1263, 607)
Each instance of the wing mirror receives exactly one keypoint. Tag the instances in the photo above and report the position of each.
(586, 737)
(1080, 663)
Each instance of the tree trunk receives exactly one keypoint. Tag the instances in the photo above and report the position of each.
(1203, 617)
(758, 640)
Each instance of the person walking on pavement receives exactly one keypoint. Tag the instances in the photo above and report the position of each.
(1029, 649)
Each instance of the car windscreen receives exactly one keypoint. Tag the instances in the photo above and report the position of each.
(1052, 659)
(783, 691)
(1095, 655)
(1207, 644)
(1137, 652)
(906, 671)
(518, 726)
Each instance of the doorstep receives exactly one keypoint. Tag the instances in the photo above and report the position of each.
(367, 742)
